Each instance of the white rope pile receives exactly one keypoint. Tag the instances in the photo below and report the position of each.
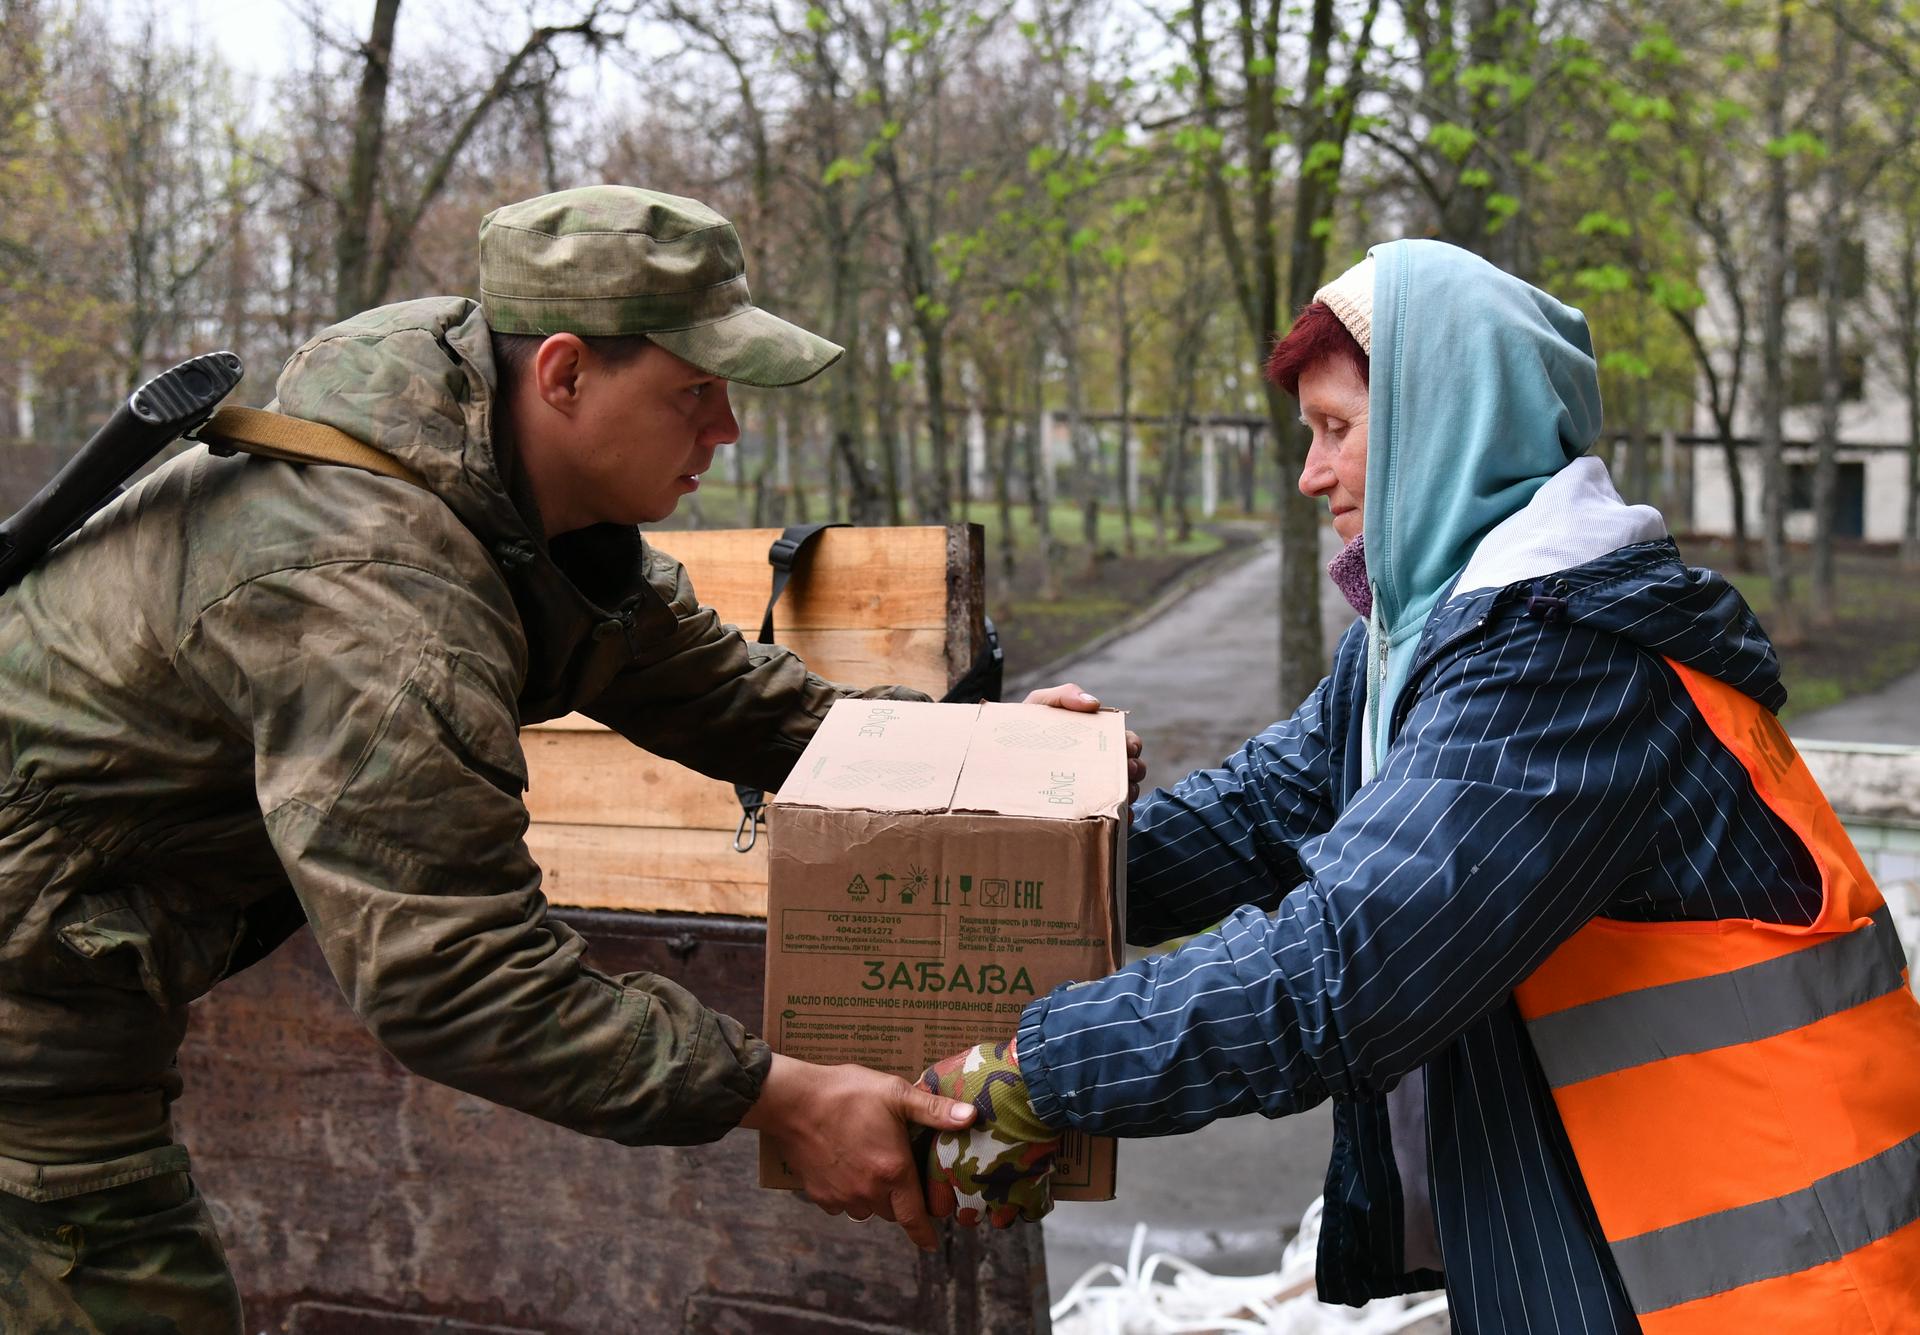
(1163, 1294)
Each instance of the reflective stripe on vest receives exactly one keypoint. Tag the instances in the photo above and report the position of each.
(1743, 1097)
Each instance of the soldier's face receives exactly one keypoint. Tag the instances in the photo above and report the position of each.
(644, 433)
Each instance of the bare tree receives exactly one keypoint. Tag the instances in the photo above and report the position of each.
(364, 264)
(1247, 228)
(1830, 245)
(1773, 309)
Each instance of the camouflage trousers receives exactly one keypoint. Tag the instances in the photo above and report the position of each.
(121, 1247)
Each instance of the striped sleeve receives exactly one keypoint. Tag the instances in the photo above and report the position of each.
(1221, 838)
(1520, 790)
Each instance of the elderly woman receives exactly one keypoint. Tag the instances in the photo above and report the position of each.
(1532, 886)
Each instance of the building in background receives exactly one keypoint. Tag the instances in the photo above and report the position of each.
(1870, 498)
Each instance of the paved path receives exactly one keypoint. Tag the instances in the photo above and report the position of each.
(1891, 714)
(1200, 680)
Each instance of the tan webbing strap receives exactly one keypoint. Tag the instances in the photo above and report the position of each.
(292, 440)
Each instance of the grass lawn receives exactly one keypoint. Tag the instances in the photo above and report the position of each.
(1875, 635)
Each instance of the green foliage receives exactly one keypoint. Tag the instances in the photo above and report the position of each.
(1658, 48)
(1601, 223)
(1727, 113)
(1196, 140)
(844, 169)
(1629, 364)
(1676, 292)
(1322, 159)
(1798, 144)
(1604, 279)
(1452, 141)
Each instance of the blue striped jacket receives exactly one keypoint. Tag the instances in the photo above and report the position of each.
(1545, 767)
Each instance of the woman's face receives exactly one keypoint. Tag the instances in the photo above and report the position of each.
(1333, 404)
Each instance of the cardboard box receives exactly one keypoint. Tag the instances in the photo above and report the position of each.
(931, 870)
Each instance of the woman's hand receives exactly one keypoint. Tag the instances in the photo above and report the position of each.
(1069, 696)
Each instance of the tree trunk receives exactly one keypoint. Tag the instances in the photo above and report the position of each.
(1325, 118)
(793, 456)
(1641, 441)
(1003, 491)
(887, 418)
(1823, 600)
(1086, 455)
(1040, 478)
(1909, 305)
(1183, 473)
(1737, 483)
(866, 497)
(1786, 629)
(353, 246)
(1125, 467)
(1723, 399)
(936, 492)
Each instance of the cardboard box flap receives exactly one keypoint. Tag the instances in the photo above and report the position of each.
(1033, 760)
(883, 755)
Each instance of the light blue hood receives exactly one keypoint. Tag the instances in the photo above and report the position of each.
(1481, 388)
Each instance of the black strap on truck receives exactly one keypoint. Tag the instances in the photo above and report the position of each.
(783, 556)
(982, 680)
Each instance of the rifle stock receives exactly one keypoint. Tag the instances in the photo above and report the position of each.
(162, 410)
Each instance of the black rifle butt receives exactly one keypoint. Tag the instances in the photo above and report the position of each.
(160, 411)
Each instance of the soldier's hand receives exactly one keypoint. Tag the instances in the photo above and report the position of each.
(843, 1132)
(1069, 696)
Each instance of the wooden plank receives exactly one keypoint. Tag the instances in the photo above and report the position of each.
(615, 827)
(870, 657)
(649, 868)
(894, 578)
(600, 778)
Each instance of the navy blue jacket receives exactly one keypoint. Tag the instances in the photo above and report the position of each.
(1545, 767)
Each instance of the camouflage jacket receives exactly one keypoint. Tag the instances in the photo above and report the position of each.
(251, 692)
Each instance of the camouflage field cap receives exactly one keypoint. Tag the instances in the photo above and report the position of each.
(609, 260)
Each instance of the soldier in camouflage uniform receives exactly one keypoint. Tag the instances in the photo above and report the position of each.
(252, 694)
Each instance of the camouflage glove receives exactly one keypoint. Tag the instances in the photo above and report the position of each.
(998, 1166)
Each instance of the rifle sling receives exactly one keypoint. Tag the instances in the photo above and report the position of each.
(292, 440)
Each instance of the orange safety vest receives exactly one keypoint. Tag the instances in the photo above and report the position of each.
(1743, 1097)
